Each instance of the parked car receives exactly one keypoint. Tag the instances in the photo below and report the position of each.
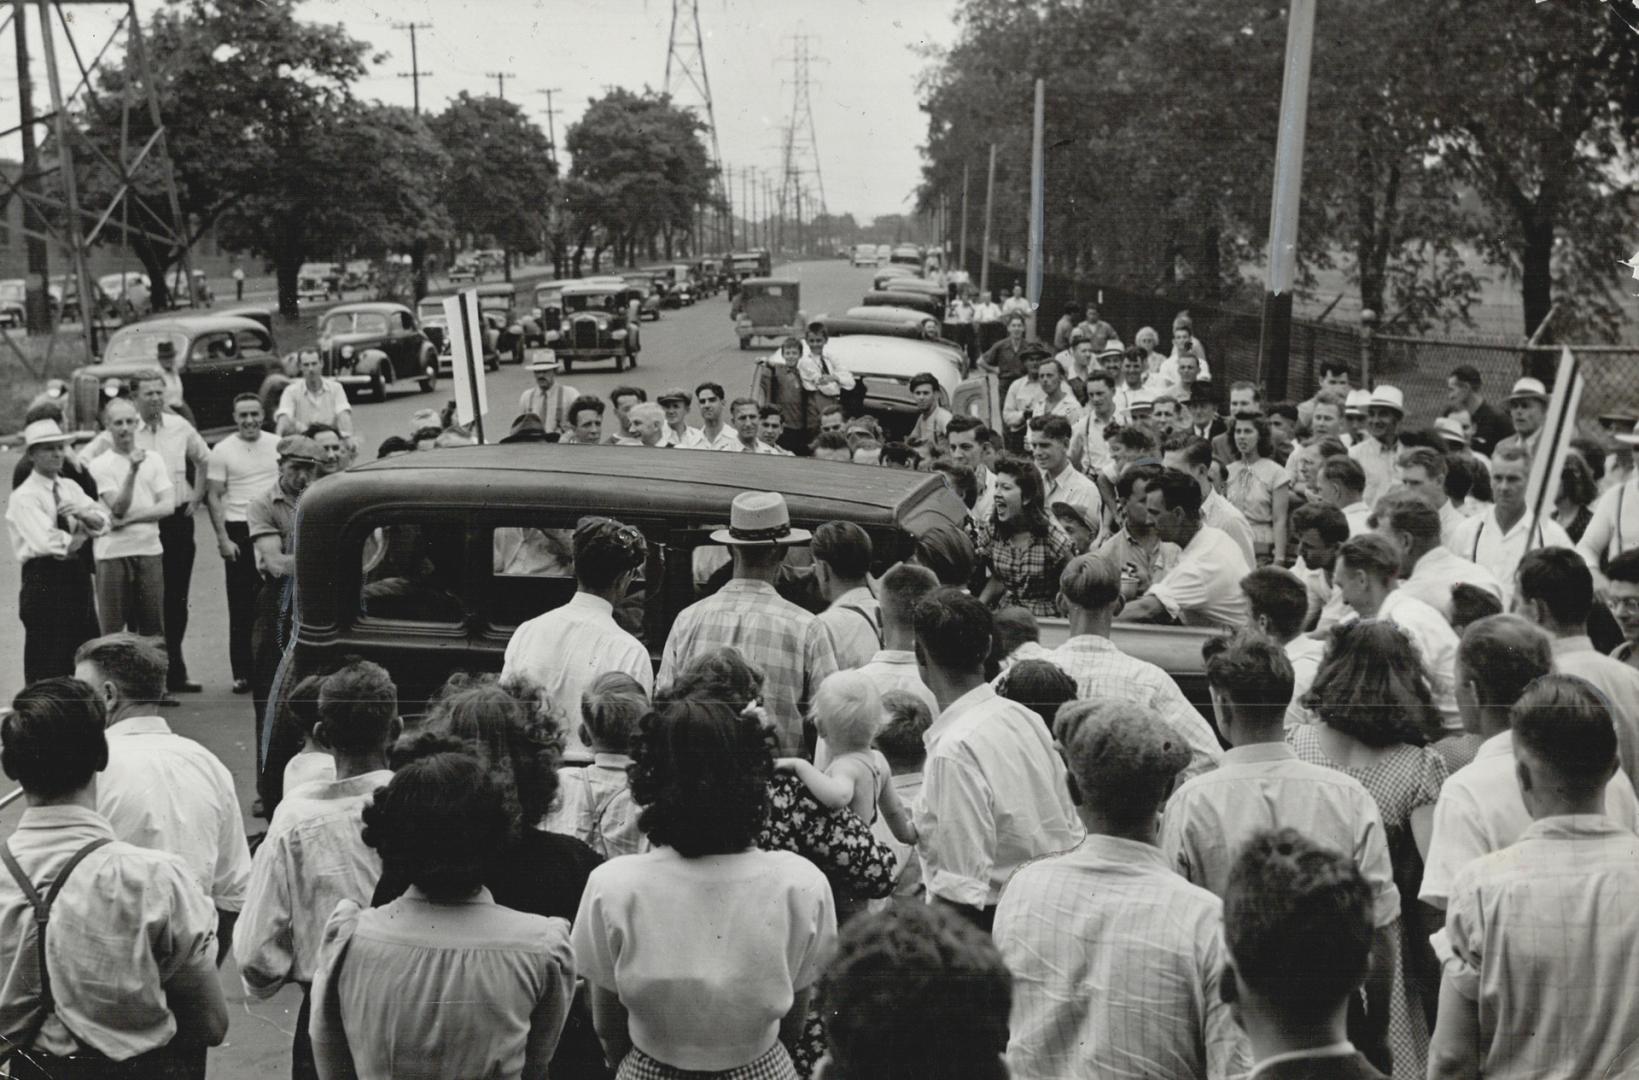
(888, 275)
(14, 302)
(710, 272)
(906, 298)
(598, 322)
(756, 263)
(766, 307)
(863, 255)
(182, 297)
(317, 282)
(466, 269)
(434, 324)
(376, 344)
(648, 297)
(357, 274)
(219, 356)
(397, 559)
(675, 282)
(906, 255)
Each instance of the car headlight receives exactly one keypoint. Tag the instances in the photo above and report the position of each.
(111, 388)
(347, 352)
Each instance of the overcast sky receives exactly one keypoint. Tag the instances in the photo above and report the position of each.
(866, 119)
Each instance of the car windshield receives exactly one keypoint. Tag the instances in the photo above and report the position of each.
(142, 344)
(592, 302)
(356, 322)
(495, 303)
(431, 310)
(12, 290)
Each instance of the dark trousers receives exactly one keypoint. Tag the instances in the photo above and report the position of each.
(239, 290)
(302, 1066)
(243, 582)
(167, 1063)
(176, 535)
(58, 615)
(267, 633)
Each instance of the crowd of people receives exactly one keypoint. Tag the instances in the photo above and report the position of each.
(889, 830)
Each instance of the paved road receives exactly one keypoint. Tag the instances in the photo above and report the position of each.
(683, 348)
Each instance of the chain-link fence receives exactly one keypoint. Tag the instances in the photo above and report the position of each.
(1419, 366)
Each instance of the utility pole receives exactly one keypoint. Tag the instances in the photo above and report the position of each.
(728, 194)
(36, 298)
(551, 121)
(500, 78)
(1275, 345)
(990, 199)
(961, 258)
(415, 72)
(1038, 202)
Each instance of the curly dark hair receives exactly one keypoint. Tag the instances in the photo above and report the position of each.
(1374, 686)
(1033, 514)
(700, 771)
(722, 675)
(441, 823)
(505, 731)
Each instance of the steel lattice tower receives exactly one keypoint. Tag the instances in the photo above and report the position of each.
(800, 145)
(688, 84)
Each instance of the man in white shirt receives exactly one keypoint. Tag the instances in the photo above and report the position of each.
(679, 432)
(819, 373)
(1555, 591)
(1480, 808)
(175, 441)
(1319, 531)
(1279, 603)
(1325, 422)
(1421, 471)
(1527, 408)
(1376, 453)
(1341, 482)
(1334, 382)
(241, 467)
(1204, 588)
(1046, 395)
(647, 426)
(548, 398)
(1091, 590)
(994, 795)
(1428, 569)
(842, 567)
(159, 789)
(986, 310)
(931, 417)
(771, 429)
(1192, 456)
(1116, 960)
(1537, 947)
(746, 416)
(1368, 569)
(313, 399)
(968, 437)
(1016, 302)
(1497, 540)
(1049, 442)
(893, 667)
(136, 488)
(1088, 447)
(1130, 397)
(713, 433)
(564, 650)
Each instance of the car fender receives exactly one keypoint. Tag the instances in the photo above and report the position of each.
(366, 361)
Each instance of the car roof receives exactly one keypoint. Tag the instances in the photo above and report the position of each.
(769, 281)
(895, 357)
(197, 324)
(378, 307)
(851, 325)
(588, 287)
(498, 288)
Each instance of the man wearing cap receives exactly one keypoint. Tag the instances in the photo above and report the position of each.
(1378, 451)
(241, 467)
(136, 487)
(1204, 420)
(313, 399)
(787, 643)
(1490, 425)
(1527, 407)
(1497, 540)
(679, 432)
(270, 522)
(49, 518)
(1614, 527)
(547, 399)
(165, 434)
(565, 650)
(165, 354)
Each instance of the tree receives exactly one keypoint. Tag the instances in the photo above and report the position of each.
(240, 83)
(501, 177)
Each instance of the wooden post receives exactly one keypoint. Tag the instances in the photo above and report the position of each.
(1032, 286)
(990, 206)
(1275, 348)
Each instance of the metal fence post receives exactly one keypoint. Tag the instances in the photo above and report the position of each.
(1368, 335)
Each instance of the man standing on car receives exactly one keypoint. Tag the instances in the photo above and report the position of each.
(180, 447)
(547, 399)
(313, 399)
(818, 373)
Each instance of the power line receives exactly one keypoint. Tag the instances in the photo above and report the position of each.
(415, 72)
(551, 120)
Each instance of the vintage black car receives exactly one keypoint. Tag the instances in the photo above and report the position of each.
(598, 322)
(219, 357)
(514, 330)
(436, 326)
(376, 344)
(648, 297)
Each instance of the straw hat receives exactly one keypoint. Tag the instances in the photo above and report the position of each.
(44, 433)
(1387, 397)
(760, 519)
(543, 360)
(1528, 389)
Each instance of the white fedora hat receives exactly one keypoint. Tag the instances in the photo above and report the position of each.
(543, 360)
(1631, 439)
(1355, 404)
(760, 519)
(1528, 389)
(1450, 430)
(44, 433)
(1387, 397)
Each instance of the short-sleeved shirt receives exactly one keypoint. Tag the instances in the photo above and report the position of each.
(1030, 571)
(1265, 786)
(306, 408)
(1617, 683)
(1204, 588)
(273, 513)
(930, 428)
(1116, 964)
(1435, 641)
(173, 439)
(127, 920)
(1541, 937)
(1251, 489)
(153, 483)
(1143, 567)
(246, 468)
(1070, 486)
(1226, 517)
(706, 954)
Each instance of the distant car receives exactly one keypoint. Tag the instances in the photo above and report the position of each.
(358, 274)
(376, 345)
(864, 255)
(180, 295)
(317, 282)
(219, 357)
(129, 291)
(906, 255)
(548, 296)
(467, 268)
(499, 300)
(436, 327)
(883, 252)
(13, 302)
(597, 323)
(648, 297)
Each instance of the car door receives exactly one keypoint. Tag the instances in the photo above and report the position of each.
(977, 397)
(214, 372)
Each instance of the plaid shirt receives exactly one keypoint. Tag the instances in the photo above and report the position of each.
(789, 645)
(1031, 573)
(1104, 672)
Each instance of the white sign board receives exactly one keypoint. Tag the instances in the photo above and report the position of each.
(466, 337)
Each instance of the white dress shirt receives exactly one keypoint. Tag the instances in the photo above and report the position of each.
(1435, 641)
(564, 651)
(1088, 447)
(854, 621)
(1618, 685)
(1227, 518)
(552, 406)
(163, 791)
(1377, 461)
(173, 439)
(1357, 514)
(726, 439)
(32, 516)
(1438, 570)
(1204, 589)
(1116, 964)
(1305, 654)
(305, 408)
(994, 797)
(1103, 671)
(1614, 527)
(895, 669)
(1070, 486)
(1481, 810)
(151, 490)
(1499, 550)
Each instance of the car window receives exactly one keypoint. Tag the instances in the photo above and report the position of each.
(413, 574)
(252, 341)
(406, 321)
(214, 348)
(532, 570)
(141, 344)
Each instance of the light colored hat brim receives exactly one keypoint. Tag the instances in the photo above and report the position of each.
(52, 440)
(1529, 395)
(1628, 440)
(795, 536)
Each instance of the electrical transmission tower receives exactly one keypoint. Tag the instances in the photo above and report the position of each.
(689, 87)
(799, 145)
